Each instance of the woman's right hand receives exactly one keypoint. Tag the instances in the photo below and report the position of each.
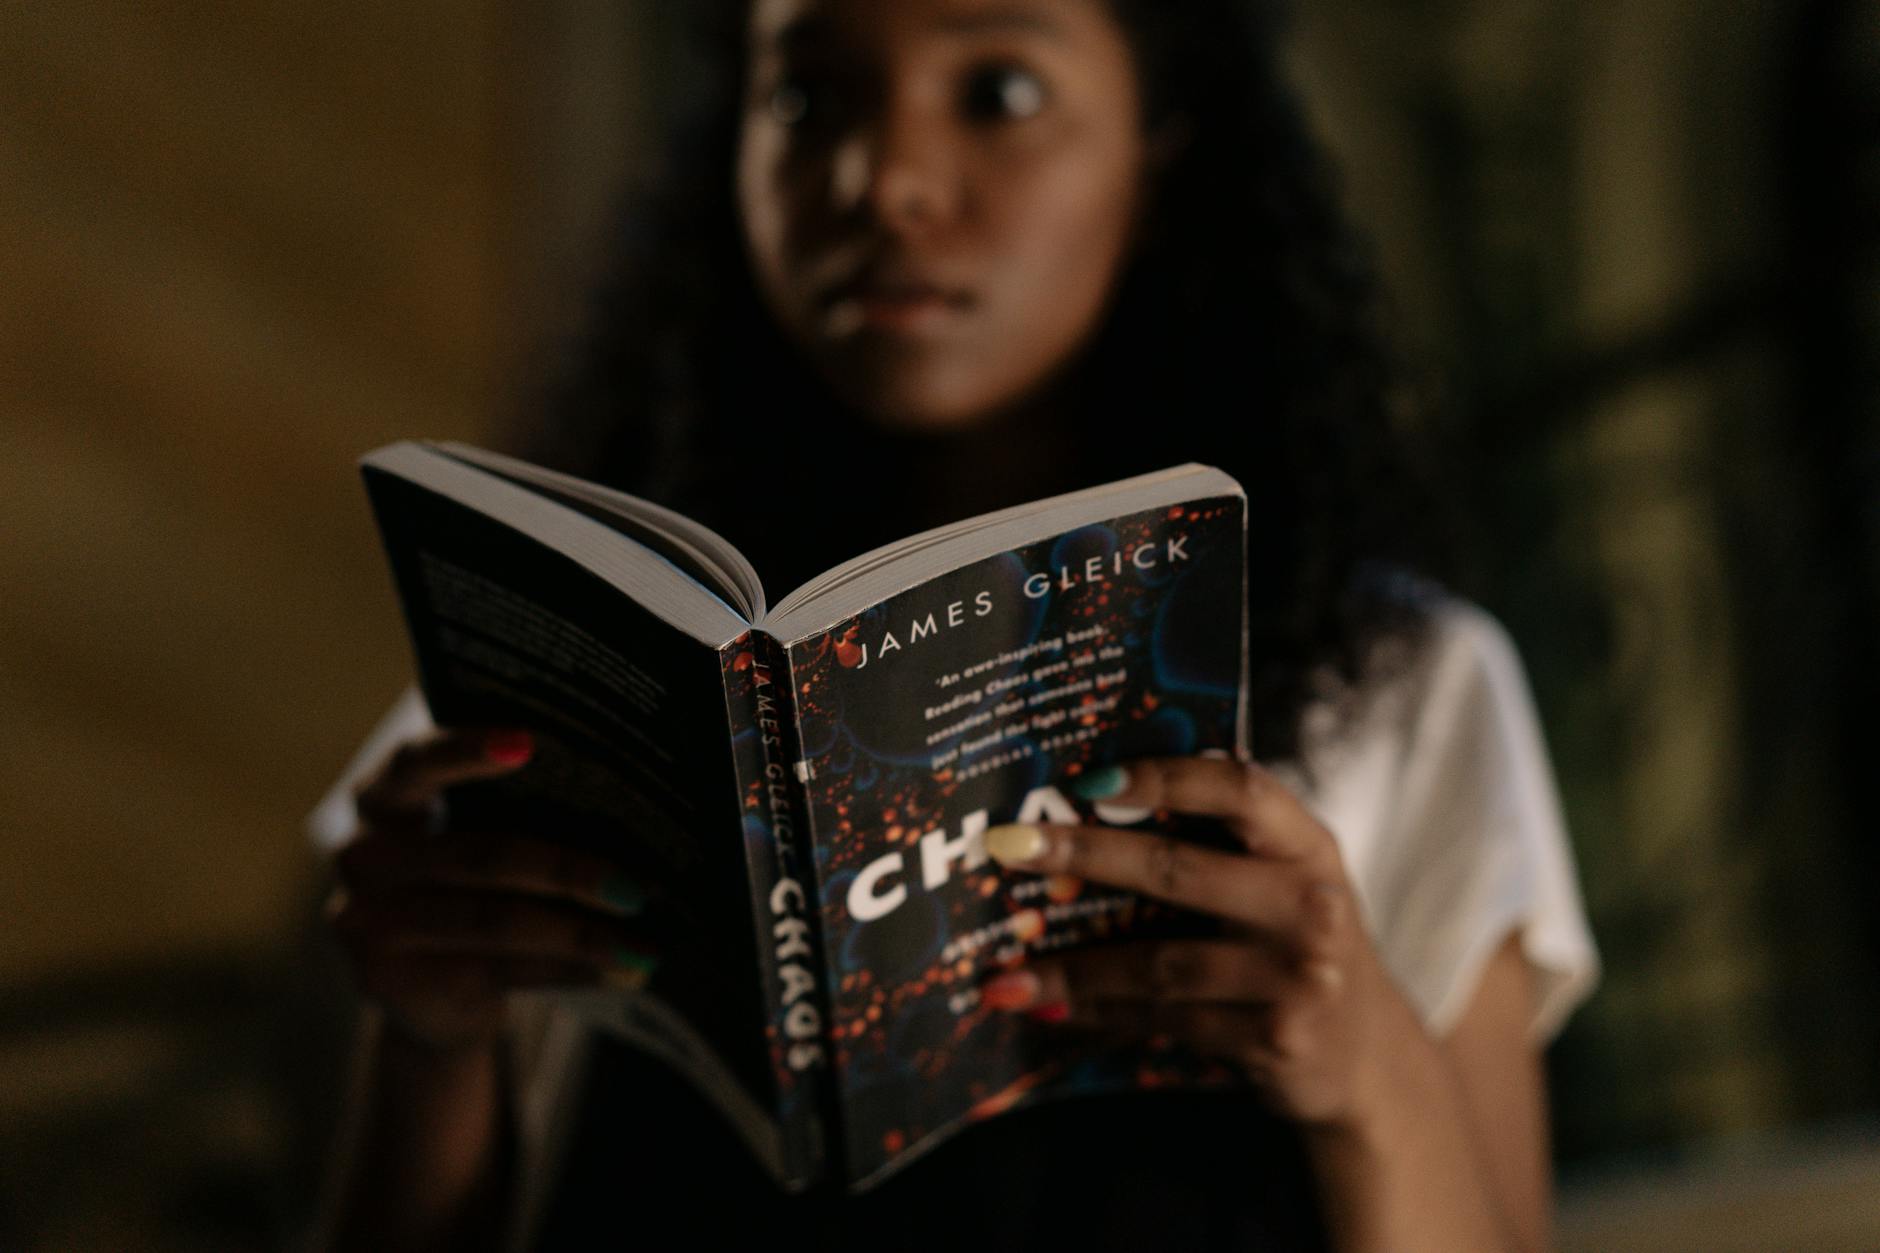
(440, 926)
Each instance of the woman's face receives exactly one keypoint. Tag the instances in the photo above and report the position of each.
(938, 195)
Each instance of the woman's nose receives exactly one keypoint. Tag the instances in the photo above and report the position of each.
(900, 171)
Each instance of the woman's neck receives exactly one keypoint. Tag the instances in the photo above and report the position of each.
(1005, 459)
(859, 485)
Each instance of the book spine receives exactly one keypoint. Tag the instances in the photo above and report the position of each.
(783, 899)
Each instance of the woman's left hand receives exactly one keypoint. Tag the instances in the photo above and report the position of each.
(1293, 992)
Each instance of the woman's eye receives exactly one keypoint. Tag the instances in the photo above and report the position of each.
(1004, 93)
(807, 98)
(789, 103)
(814, 106)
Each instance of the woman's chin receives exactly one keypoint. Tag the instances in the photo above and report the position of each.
(920, 407)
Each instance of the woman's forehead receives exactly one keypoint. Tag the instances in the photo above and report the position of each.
(810, 21)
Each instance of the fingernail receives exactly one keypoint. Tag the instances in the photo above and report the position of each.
(1014, 989)
(1015, 843)
(625, 978)
(1121, 815)
(509, 748)
(631, 968)
(623, 894)
(1100, 785)
(1057, 1011)
(1326, 974)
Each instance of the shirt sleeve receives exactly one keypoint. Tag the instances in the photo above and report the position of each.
(1473, 846)
(332, 819)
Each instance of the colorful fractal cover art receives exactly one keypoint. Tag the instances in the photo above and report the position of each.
(969, 701)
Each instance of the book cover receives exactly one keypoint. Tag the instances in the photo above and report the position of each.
(968, 701)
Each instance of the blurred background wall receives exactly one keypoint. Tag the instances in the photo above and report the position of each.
(1634, 243)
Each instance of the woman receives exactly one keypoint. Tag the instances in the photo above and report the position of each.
(967, 253)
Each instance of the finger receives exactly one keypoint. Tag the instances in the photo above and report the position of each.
(1172, 970)
(487, 924)
(1267, 895)
(1226, 971)
(1230, 1031)
(1243, 1037)
(419, 769)
(1261, 811)
(1169, 971)
(491, 862)
(1263, 1039)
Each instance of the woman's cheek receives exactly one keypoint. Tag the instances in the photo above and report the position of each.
(1073, 228)
(1056, 286)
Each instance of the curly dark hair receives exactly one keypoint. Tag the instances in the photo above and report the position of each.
(1246, 332)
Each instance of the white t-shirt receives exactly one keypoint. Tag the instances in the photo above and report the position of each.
(1440, 796)
(1443, 803)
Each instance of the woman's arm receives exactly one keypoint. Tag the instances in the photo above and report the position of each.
(425, 1162)
(1453, 1150)
(1497, 1064)
(439, 928)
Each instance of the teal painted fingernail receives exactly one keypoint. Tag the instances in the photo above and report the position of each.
(1101, 785)
(623, 894)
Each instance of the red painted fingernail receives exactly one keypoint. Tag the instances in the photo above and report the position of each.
(1013, 990)
(509, 748)
(1057, 1011)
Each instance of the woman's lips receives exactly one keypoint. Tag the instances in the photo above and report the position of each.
(896, 306)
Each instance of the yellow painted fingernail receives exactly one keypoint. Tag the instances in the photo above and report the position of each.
(1015, 843)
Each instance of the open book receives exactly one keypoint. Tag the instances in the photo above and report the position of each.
(804, 788)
